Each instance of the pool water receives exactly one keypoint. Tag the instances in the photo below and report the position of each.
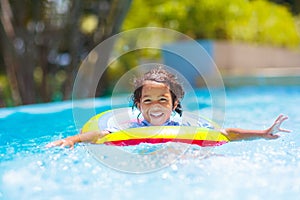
(257, 169)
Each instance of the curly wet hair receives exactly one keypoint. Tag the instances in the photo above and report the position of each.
(160, 75)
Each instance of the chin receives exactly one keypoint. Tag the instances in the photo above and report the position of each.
(157, 124)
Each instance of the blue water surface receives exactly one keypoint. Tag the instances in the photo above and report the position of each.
(257, 169)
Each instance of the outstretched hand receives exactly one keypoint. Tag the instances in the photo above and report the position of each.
(90, 136)
(62, 143)
(275, 128)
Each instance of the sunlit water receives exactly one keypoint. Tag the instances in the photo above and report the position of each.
(258, 169)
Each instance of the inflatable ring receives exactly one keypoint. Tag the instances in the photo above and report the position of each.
(123, 135)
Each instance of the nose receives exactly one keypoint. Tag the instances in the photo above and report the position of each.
(156, 106)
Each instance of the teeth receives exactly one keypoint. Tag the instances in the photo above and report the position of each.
(156, 114)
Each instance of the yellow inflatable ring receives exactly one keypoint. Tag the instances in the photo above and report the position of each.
(125, 135)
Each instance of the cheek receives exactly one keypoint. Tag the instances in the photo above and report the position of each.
(142, 107)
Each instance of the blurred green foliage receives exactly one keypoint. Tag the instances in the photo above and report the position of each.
(51, 37)
(258, 21)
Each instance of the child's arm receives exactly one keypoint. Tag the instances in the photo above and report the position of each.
(242, 134)
(90, 137)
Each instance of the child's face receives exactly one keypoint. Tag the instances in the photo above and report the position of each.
(156, 103)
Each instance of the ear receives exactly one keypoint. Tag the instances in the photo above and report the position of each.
(175, 104)
(138, 105)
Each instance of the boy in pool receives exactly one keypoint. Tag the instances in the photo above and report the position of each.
(157, 94)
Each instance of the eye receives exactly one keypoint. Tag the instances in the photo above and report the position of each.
(162, 99)
(146, 101)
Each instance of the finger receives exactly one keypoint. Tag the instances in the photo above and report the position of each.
(49, 145)
(278, 118)
(282, 118)
(271, 136)
(54, 144)
(284, 130)
(65, 144)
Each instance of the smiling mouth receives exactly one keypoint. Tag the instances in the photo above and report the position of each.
(156, 115)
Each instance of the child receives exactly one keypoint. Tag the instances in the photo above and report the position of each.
(157, 94)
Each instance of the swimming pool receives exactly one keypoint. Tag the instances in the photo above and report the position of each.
(258, 169)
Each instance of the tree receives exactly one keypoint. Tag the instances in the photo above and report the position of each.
(44, 41)
(294, 5)
(257, 21)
